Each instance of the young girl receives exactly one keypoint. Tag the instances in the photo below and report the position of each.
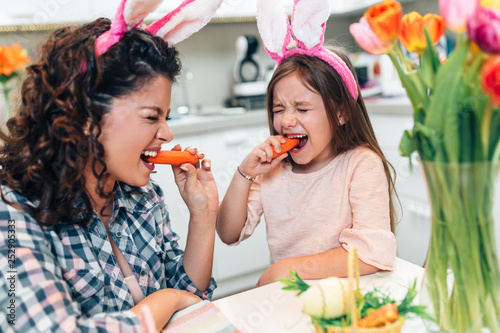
(92, 238)
(332, 191)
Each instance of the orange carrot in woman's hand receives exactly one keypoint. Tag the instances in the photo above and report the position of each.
(289, 144)
(382, 316)
(172, 157)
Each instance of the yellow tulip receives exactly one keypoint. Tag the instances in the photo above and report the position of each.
(490, 4)
(412, 34)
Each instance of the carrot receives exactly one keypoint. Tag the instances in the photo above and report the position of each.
(173, 157)
(382, 316)
(289, 144)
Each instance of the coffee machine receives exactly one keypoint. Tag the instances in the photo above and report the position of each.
(249, 89)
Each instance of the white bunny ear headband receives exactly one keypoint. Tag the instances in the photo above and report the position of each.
(307, 28)
(189, 17)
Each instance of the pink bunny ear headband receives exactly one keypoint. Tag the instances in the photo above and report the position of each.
(189, 17)
(308, 28)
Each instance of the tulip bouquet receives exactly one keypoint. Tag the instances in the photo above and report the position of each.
(12, 59)
(456, 133)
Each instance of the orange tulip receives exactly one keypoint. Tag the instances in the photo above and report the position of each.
(385, 19)
(412, 33)
(12, 58)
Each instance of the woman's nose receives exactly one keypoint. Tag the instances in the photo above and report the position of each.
(164, 133)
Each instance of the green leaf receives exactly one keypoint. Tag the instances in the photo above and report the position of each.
(406, 146)
(429, 62)
(444, 105)
(409, 81)
(295, 283)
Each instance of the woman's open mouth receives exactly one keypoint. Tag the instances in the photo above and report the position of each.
(145, 154)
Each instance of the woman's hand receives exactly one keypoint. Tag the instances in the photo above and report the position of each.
(260, 160)
(196, 184)
(156, 310)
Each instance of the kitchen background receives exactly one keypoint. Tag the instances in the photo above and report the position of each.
(207, 85)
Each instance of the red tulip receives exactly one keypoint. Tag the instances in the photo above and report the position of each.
(385, 18)
(484, 29)
(412, 33)
(367, 39)
(490, 79)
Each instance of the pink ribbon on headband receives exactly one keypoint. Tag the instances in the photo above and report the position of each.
(189, 17)
(333, 60)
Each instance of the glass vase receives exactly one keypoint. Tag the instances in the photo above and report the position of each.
(462, 274)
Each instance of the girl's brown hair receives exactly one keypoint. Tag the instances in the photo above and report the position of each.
(66, 92)
(357, 130)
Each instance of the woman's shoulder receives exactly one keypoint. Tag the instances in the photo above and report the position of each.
(17, 216)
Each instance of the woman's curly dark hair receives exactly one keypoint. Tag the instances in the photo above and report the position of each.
(66, 92)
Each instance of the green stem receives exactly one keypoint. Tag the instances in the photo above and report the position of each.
(485, 129)
(462, 240)
(6, 91)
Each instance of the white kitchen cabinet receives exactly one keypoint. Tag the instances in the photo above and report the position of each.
(413, 231)
(238, 267)
(40, 12)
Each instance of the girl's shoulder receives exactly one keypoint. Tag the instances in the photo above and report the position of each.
(362, 154)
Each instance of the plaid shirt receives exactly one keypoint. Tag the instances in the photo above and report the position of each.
(66, 277)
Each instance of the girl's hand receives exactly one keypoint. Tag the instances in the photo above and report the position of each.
(260, 160)
(197, 185)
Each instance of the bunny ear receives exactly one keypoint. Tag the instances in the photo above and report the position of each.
(309, 22)
(135, 11)
(185, 20)
(274, 27)
(130, 14)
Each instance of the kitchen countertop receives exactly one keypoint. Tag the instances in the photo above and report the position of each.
(196, 124)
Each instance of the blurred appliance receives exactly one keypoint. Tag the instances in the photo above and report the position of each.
(249, 89)
(388, 80)
(367, 70)
(376, 75)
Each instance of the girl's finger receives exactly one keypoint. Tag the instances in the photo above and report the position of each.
(206, 164)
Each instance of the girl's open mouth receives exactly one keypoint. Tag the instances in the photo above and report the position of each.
(303, 140)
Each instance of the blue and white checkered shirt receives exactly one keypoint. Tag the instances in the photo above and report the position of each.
(65, 278)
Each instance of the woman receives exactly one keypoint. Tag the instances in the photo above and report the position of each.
(92, 235)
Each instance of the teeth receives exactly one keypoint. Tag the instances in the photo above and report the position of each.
(297, 136)
(149, 153)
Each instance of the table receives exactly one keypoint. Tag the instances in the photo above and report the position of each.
(271, 309)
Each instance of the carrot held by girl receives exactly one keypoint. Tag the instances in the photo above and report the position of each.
(334, 189)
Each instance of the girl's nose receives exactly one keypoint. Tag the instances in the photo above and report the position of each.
(289, 120)
(164, 133)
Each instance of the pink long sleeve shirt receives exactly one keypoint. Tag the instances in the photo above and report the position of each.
(346, 203)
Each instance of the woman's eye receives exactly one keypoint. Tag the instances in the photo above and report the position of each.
(277, 110)
(302, 110)
(152, 118)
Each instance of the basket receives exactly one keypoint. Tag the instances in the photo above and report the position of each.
(353, 277)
